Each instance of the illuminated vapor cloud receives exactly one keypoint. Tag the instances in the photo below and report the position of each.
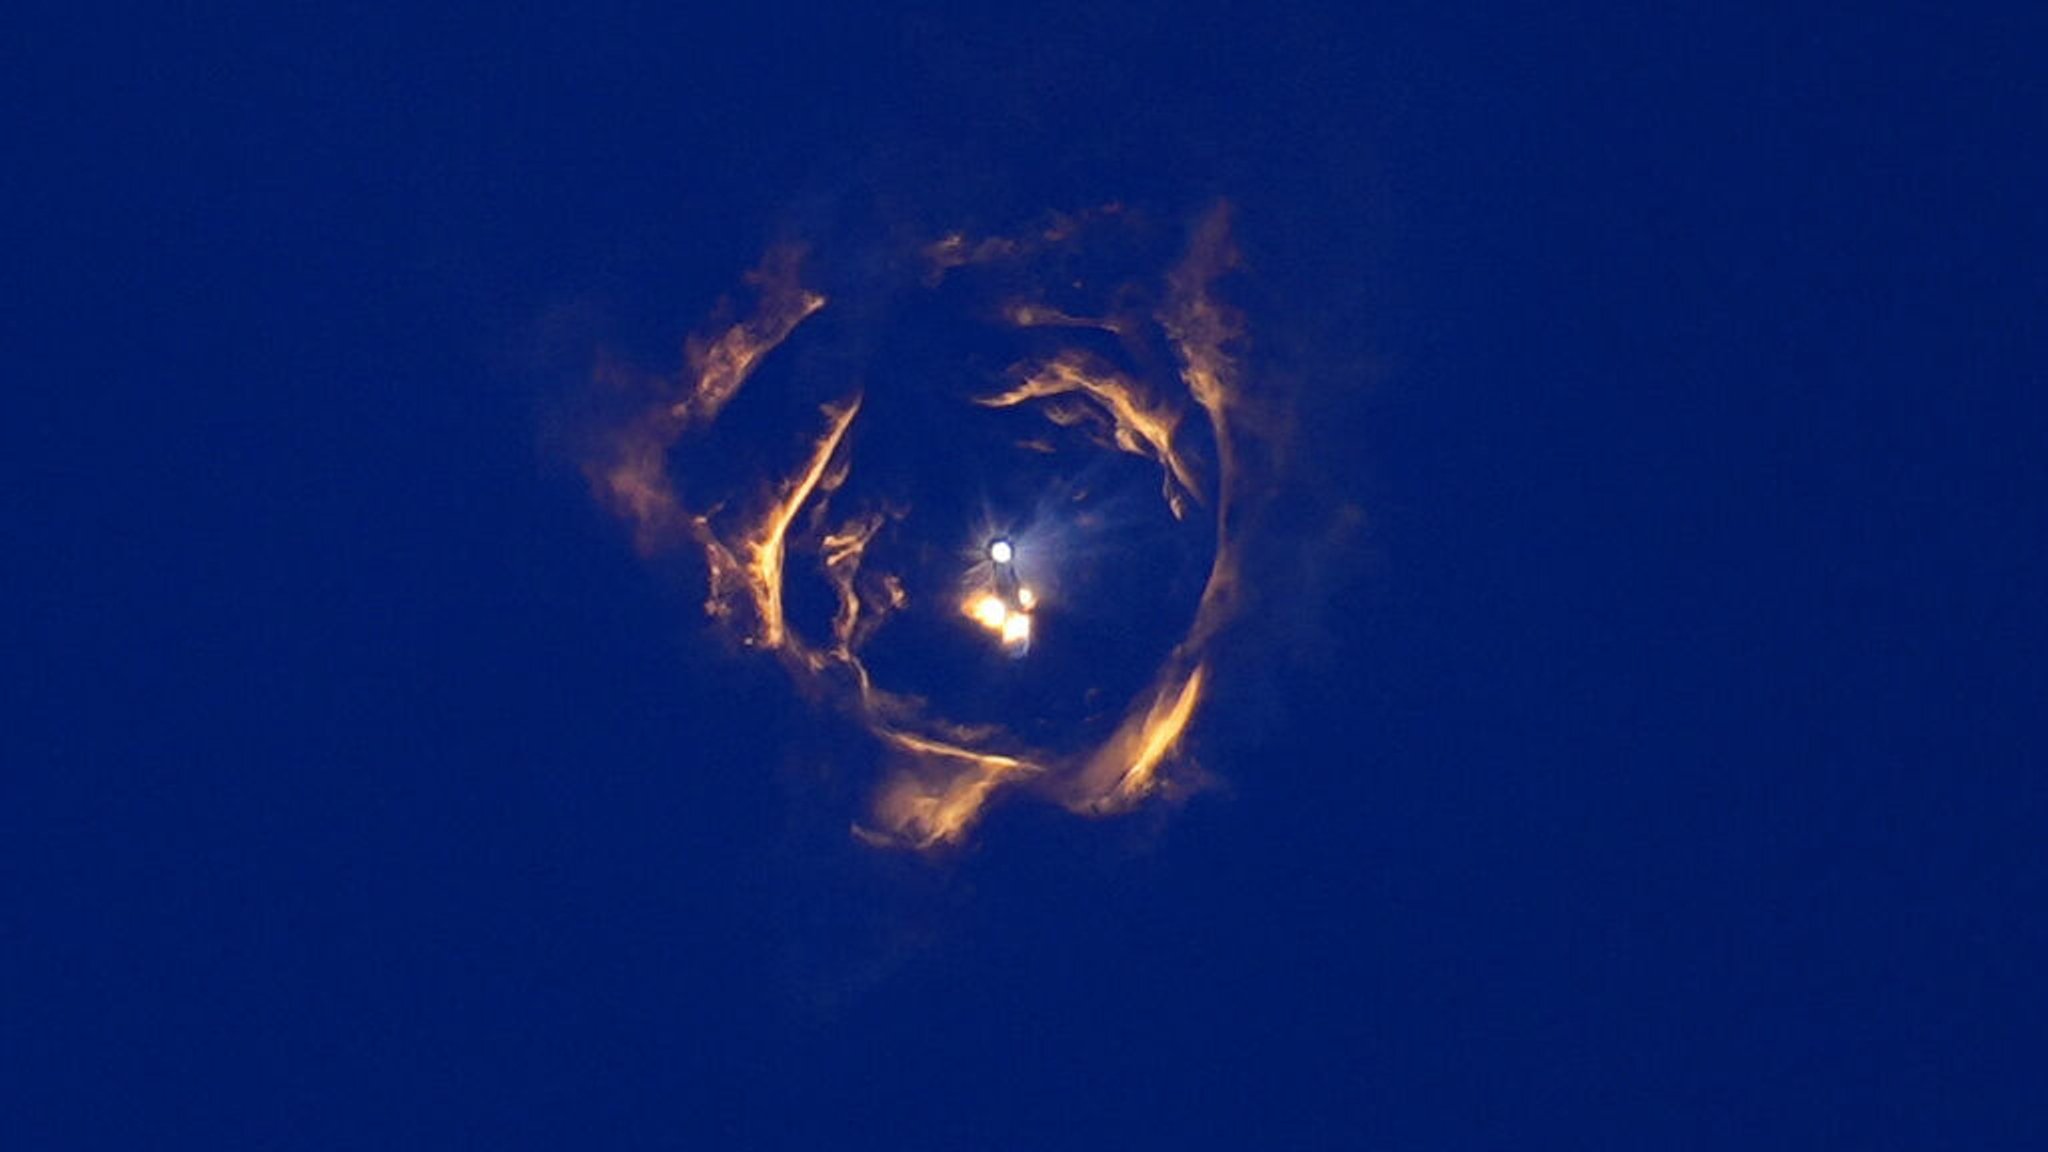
(1181, 416)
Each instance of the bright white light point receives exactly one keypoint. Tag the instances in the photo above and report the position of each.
(1027, 598)
(1001, 552)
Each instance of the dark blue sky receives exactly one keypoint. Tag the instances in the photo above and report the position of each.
(1654, 763)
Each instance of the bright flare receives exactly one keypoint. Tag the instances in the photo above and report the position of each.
(989, 612)
(1016, 630)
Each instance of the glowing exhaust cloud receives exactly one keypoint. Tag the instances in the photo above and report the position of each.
(941, 774)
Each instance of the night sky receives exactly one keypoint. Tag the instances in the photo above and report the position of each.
(1633, 738)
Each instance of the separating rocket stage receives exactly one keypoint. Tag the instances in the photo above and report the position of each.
(1004, 604)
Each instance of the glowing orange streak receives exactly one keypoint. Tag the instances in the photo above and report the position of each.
(724, 364)
(925, 745)
(1142, 428)
(842, 555)
(1124, 769)
(921, 816)
(923, 812)
(630, 471)
(766, 544)
(1160, 732)
(1025, 315)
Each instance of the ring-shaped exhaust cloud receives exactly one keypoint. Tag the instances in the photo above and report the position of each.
(1152, 376)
